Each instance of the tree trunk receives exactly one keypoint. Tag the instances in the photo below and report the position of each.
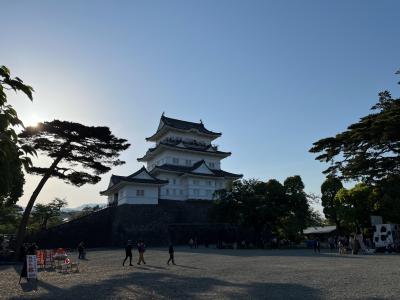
(25, 217)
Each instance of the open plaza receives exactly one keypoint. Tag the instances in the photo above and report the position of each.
(214, 274)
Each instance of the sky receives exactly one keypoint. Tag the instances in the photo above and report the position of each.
(272, 76)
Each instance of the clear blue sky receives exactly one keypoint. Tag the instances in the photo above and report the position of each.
(272, 76)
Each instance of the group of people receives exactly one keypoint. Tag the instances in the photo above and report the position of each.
(193, 243)
(343, 244)
(141, 247)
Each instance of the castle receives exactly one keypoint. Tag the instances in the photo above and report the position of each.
(182, 165)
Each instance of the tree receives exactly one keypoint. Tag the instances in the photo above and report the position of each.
(357, 205)
(329, 188)
(80, 154)
(388, 193)
(267, 206)
(10, 217)
(368, 150)
(297, 200)
(12, 155)
(298, 213)
(43, 213)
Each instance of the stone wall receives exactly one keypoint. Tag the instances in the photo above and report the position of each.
(157, 225)
(94, 229)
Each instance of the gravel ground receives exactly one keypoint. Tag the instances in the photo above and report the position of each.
(216, 274)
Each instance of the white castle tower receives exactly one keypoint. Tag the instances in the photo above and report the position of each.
(182, 165)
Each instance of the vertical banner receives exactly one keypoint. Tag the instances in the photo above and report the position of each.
(32, 269)
(48, 258)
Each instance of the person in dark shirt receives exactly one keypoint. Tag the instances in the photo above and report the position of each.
(317, 245)
(128, 253)
(171, 254)
(81, 250)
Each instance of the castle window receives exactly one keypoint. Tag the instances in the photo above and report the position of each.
(209, 182)
(188, 162)
(175, 160)
(195, 182)
(196, 192)
(174, 181)
(174, 192)
(211, 165)
(167, 191)
(140, 193)
(181, 192)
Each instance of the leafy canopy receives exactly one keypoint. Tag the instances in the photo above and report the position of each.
(329, 188)
(12, 155)
(368, 150)
(80, 154)
(267, 206)
(42, 214)
(86, 151)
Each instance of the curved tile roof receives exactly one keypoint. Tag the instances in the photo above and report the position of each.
(183, 125)
(191, 170)
(115, 179)
(199, 148)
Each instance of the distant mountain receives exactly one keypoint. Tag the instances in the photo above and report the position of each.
(79, 208)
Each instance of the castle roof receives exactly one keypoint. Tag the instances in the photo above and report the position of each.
(200, 168)
(180, 125)
(141, 176)
(183, 146)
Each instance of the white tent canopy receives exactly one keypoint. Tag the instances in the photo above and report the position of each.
(319, 230)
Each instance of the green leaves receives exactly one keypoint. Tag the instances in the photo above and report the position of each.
(15, 84)
(43, 214)
(12, 155)
(368, 150)
(266, 206)
(84, 152)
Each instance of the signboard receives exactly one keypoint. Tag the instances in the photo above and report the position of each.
(31, 264)
(48, 258)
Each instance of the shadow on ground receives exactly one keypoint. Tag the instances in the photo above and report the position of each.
(269, 252)
(169, 286)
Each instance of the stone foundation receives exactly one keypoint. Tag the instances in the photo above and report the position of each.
(157, 225)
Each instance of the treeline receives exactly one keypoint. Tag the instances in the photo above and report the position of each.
(43, 216)
(269, 208)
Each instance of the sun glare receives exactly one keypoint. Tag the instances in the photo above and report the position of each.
(33, 120)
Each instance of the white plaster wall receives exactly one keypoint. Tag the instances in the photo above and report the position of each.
(185, 188)
(205, 187)
(166, 157)
(176, 189)
(127, 195)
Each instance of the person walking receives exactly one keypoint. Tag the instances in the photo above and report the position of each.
(141, 250)
(317, 246)
(171, 254)
(128, 253)
(81, 250)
